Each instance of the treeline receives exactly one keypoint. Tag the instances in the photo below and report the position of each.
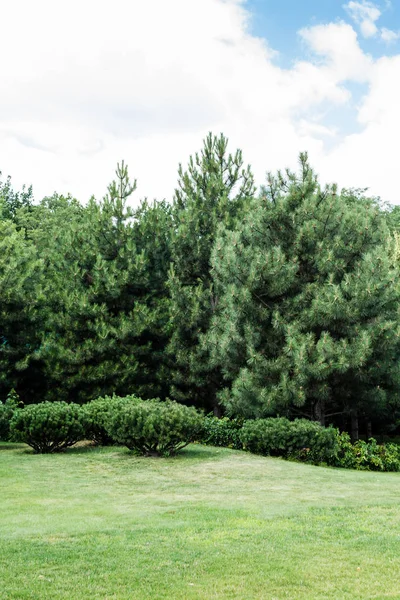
(251, 304)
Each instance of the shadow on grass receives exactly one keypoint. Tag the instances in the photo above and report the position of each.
(11, 446)
(193, 452)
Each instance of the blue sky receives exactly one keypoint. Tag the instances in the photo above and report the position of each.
(278, 21)
(84, 88)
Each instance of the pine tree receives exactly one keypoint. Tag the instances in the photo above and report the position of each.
(11, 201)
(104, 319)
(21, 278)
(307, 321)
(214, 189)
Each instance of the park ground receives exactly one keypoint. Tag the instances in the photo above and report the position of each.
(211, 523)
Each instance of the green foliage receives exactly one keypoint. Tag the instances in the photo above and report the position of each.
(11, 201)
(300, 439)
(393, 218)
(282, 304)
(49, 426)
(154, 428)
(366, 456)
(97, 414)
(21, 278)
(104, 315)
(222, 432)
(215, 189)
(7, 410)
(307, 320)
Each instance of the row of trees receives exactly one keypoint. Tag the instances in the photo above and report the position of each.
(280, 302)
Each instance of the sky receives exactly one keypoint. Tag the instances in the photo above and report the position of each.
(86, 83)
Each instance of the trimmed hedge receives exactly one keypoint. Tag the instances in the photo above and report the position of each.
(222, 432)
(299, 439)
(154, 428)
(366, 456)
(49, 426)
(97, 414)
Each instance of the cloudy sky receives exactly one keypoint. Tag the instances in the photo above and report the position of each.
(85, 83)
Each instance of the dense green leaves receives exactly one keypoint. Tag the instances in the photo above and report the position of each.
(366, 455)
(214, 189)
(11, 201)
(104, 315)
(97, 413)
(7, 410)
(285, 303)
(308, 304)
(49, 426)
(222, 432)
(154, 428)
(21, 277)
(281, 437)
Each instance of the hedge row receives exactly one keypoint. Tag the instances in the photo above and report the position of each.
(156, 428)
(147, 427)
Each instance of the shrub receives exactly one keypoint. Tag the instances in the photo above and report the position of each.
(366, 456)
(6, 412)
(155, 428)
(97, 413)
(299, 439)
(49, 426)
(222, 432)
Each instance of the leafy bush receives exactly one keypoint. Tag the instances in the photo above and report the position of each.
(300, 439)
(6, 412)
(97, 413)
(366, 456)
(222, 432)
(49, 426)
(154, 428)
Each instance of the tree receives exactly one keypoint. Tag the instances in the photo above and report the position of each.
(214, 189)
(307, 322)
(11, 201)
(21, 279)
(104, 318)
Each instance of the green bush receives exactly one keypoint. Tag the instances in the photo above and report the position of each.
(222, 432)
(366, 456)
(6, 412)
(49, 426)
(299, 439)
(97, 413)
(154, 428)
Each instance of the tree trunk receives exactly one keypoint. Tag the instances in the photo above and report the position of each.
(369, 429)
(320, 412)
(354, 425)
(217, 410)
(213, 401)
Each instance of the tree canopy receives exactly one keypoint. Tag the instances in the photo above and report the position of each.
(281, 302)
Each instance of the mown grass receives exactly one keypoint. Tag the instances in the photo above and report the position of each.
(101, 524)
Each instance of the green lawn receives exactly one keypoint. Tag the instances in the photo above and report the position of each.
(211, 523)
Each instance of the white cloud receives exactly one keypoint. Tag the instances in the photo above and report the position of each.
(388, 35)
(84, 85)
(337, 44)
(365, 14)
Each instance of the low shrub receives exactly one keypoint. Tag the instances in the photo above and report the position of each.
(154, 428)
(49, 426)
(222, 432)
(299, 439)
(97, 413)
(366, 456)
(7, 410)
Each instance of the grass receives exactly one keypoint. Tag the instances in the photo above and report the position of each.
(101, 524)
